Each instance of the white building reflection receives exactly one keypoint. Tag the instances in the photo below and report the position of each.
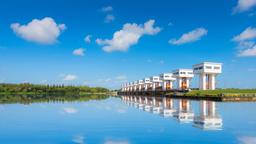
(184, 113)
(180, 109)
(208, 118)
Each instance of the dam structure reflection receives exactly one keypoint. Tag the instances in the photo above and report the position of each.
(181, 110)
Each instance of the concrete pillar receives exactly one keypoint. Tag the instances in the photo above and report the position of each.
(188, 82)
(212, 81)
(140, 87)
(146, 87)
(202, 81)
(164, 85)
(179, 81)
(140, 101)
(154, 86)
(171, 84)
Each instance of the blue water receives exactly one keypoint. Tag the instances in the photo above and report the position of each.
(114, 121)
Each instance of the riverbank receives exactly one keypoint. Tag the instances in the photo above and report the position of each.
(216, 95)
(219, 94)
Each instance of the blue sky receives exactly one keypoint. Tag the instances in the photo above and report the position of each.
(105, 43)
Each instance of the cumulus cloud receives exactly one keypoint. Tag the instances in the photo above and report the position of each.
(247, 140)
(87, 39)
(121, 78)
(248, 34)
(189, 37)
(107, 9)
(129, 35)
(79, 52)
(69, 77)
(44, 31)
(244, 5)
(70, 110)
(248, 52)
(246, 42)
(109, 18)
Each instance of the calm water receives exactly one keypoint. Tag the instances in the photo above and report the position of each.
(120, 121)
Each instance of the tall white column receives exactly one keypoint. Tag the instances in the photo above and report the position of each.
(202, 81)
(146, 87)
(146, 100)
(188, 82)
(212, 81)
(164, 85)
(179, 81)
(154, 86)
(171, 84)
(140, 101)
(140, 87)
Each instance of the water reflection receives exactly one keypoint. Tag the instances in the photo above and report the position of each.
(206, 119)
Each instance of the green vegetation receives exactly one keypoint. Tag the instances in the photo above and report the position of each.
(222, 92)
(27, 88)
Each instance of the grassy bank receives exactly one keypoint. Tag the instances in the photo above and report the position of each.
(222, 92)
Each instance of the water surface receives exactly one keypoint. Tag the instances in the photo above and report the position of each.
(123, 121)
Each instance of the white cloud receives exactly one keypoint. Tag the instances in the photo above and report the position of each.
(247, 140)
(109, 18)
(189, 37)
(69, 77)
(116, 142)
(79, 52)
(129, 35)
(248, 34)
(44, 31)
(246, 42)
(87, 39)
(121, 78)
(244, 5)
(107, 9)
(79, 139)
(70, 110)
(248, 52)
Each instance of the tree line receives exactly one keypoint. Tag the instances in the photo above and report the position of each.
(27, 88)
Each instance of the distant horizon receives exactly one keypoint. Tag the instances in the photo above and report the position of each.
(106, 43)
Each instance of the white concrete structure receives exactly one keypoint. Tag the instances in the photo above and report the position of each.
(207, 72)
(146, 84)
(130, 86)
(183, 78)
(135, 86)
(156, 82)
(167, 81)
(140, 84)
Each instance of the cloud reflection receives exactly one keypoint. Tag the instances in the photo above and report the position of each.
(70, 110)
(79, 139)
(247, 140)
